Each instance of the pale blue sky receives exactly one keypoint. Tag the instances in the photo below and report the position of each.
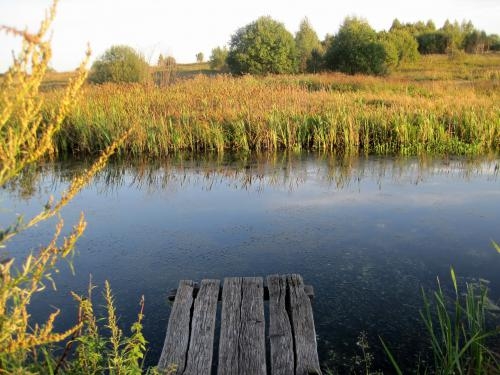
(184, 28)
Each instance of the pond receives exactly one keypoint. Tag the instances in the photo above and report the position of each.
(368, 233)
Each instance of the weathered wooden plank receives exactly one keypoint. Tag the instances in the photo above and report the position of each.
(304, 334)
(230, 326)
(242, 338)
(177, 339)
(307, 288)
(280, 330)
(199, 358)
(252, 336)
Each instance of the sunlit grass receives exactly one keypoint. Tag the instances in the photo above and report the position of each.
(327, 112)
(444, 67)
(436, 105)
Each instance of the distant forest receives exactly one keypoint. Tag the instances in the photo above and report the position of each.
(458, 36)
(356, 48)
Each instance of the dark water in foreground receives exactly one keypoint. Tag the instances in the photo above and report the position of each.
(367, 233)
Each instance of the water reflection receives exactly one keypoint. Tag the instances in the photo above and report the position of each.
(368, 233)
(253, 172)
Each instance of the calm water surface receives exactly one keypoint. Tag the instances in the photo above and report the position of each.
(367, 233)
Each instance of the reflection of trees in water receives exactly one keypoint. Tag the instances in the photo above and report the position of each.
(252, 172)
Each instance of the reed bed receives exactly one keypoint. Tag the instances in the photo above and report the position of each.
(327, 112)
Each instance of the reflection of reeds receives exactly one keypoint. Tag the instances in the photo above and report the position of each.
(253, 171)
(321, 112)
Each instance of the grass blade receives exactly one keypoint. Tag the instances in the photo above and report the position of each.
(391, 357)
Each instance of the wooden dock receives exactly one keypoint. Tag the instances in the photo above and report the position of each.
(291, 337)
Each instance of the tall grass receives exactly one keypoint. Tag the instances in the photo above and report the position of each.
(459, 339)
(458, 332)
(328, 112)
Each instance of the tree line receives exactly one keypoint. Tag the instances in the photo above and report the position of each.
(265, 46)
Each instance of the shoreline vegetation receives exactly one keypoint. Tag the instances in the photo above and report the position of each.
(436, 106)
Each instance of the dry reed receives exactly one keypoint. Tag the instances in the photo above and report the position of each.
(329, 112)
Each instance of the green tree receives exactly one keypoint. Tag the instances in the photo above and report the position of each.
(430, 25)
(494, 42)
(433, 42)
(420, 27)
(218, 59)
(414, 29)
(454, 34)
(307, 41)
(396, 25)
(200, 57)
(405, 44)
(391, 52)
(357, 49)
(467, 27)
(263, 46)
(119, 64)
(315, 62)
(476, 42)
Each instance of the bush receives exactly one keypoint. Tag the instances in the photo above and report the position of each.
(119, 64)
(263, 46)
(218, 59)
(357, 49)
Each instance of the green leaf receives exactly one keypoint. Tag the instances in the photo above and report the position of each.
(391, 358)
(454, 279)
(496, 246)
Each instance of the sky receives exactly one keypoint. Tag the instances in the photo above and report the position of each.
(183, 28)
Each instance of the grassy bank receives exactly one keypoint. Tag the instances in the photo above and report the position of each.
(419, 109)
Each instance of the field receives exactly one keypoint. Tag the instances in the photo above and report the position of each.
(438, 105)
(55, 80)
